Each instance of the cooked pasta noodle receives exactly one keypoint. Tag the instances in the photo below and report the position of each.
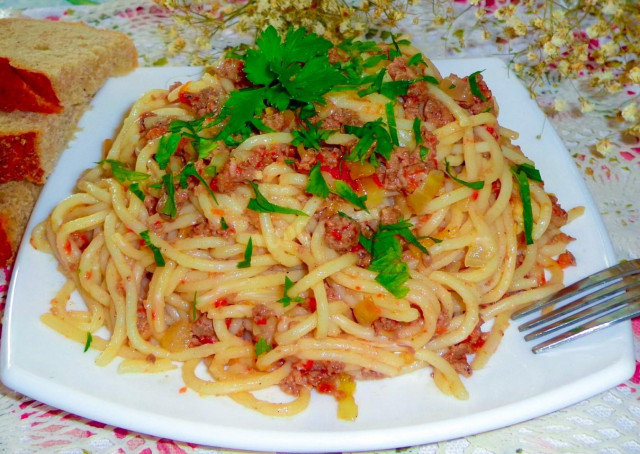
(360, 233)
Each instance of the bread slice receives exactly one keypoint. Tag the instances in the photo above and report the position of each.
(49, 65)
(17, 199)
(31, 143)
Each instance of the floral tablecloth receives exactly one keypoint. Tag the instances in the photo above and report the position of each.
(606, 423)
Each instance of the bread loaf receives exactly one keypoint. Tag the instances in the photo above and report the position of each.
(49, 71)
(49, 65)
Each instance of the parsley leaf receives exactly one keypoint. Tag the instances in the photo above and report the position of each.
(470, 184)
(417, 130)
(525, 196)
(286, 299)
(530, 171)
(311, 136)
(121, 173)
(169, 207)
(415, 59)
(473, 85)
(167, 146)
(194, 303)
(354, 47)
(262, 205)
(346, 192)
(135, 188)
(372, 132)
(424, 151)
(87, 343)
(223, 223)
(157, 255)
(262, 346)
(316, 184)
(403, 228)
(241, 108)
(190, 171)
(391, 121)
(246, 263)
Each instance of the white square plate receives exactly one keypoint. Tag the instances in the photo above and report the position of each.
(515, 386)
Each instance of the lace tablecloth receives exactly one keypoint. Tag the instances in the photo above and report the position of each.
(606, 423)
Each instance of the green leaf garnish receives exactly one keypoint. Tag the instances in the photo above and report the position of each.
(190, 171)
(346, 192)
(473, 85)
(194, 303)
(262, 346)
(372, 132)
(527, 209)
(391, 121)
(169, 207)
(316, 184)
(311, 137)
(223, 223)
(121, 173)
(135, 188)
(87, 343)
(417, 130)
(469, 184)
(167, 146)
(424, 151)
(246, 263)
(262, 205)
(157, 255)
(286, 299)
(416, 59)
(530, 171)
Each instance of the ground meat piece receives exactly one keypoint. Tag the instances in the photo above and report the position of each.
(232, 69)
(150, 203)
(436, 113)
(337, 56)
(203, 326)
(341, 234)
(404, 171)
(364, 257)
(559, 216)
(327, 157)
(311, 374)
(398, 69)
(278, 121)
(212, 228)
(389, 215)
(457, 354)
(206, 101)
(151, 127)
(338, 118)
(143, 324)
(232, 175)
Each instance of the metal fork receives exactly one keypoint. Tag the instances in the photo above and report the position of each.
(589, 305)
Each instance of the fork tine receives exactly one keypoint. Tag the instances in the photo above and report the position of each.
(588, 300)
(577, 288)
(624, 313)
(608, 306)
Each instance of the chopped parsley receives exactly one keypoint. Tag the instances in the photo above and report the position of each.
(157, 255)
(316, 184)
(121, 173)
(530, 171)
(194, 304)
(223, 223)
(169, 207)
(246, 263)
(372, 132)
(135, 188)
(386, 255)
(167, 146)
(262, 205)
(87, 343)
(473, 85)
(190, 171)
(417, 130)
(311, 137)
(346, 192)
(470, 184)
(424, 152)
(391, 121)
(262, 346)
(416, 59)
(286, 299)
(525, 195)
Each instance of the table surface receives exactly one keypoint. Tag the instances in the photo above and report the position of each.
(609, 422)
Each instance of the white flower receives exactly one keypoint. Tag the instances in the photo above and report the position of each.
(604, 147)
(560, 105)
(630, 112)
(586, 105)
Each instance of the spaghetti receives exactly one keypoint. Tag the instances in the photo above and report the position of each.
(305, 216)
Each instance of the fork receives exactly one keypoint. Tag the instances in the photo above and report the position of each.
(586, 306)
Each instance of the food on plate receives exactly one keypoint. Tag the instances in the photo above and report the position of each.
(49, 71)
(307, 215)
